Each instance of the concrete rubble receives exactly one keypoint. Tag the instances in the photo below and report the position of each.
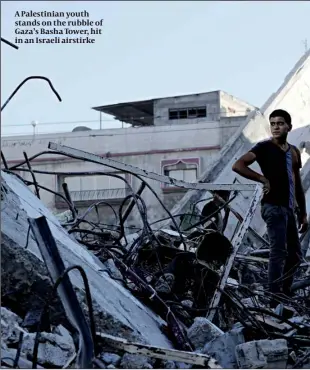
(54, 350)
(202, 331)
(223, 347)
(189, 293)
(151, 294)
(262, 354)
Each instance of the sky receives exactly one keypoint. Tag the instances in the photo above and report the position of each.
(148, 49)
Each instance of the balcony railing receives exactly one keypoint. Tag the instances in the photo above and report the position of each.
(90, 196)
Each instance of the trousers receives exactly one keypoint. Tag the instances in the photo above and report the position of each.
(285, 249)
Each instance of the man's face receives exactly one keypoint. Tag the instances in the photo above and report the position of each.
(279, 128)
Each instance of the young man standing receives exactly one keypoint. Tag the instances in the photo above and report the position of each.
(280, 163)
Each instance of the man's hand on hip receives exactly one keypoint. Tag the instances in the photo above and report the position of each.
(303, 224)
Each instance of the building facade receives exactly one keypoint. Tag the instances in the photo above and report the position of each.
(178, 137)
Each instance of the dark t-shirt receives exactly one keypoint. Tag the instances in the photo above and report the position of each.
(278, 167)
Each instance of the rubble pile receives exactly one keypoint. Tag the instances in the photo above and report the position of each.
(181, 297)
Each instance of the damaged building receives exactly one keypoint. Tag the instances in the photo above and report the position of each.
(161, 284)
(203, 123)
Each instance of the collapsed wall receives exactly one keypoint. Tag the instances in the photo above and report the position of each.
(25, 285)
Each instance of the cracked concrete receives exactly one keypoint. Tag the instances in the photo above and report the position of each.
(25, 283)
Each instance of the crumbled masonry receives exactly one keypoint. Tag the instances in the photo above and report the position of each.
(185, 296)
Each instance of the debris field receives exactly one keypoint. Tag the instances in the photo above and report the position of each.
(79, 293)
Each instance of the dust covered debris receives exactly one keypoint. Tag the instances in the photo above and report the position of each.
(195, 287)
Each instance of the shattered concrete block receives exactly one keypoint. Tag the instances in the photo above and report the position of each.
(262, 354)
(168, 364)
(111, 366)
(23, 363)
(25, 279)
(223, 348)
(111, 358)
(53, 350)
(61, 330)
(10, 317)
(10, 328)
(202, 331)
(130, 361)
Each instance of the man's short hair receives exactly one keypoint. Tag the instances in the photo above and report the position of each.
(282, 113)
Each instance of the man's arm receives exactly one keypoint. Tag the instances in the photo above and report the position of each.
(301, 201)
(241, 167)
(300, 194)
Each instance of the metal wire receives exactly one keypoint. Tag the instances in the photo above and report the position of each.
(9, 43)
(236, 310)
(3, 359)
(46, 307)
(19, 349)
(28, 79)
(302, 361)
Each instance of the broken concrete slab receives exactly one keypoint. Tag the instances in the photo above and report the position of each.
(53, 349)
(60, 330)
(10, 327)
(117, 312)
(222, 348)
(130, 361)
(9, 354)
(262, 354)
(202, 331)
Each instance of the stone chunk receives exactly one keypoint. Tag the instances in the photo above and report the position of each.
(54, 350)
(168, 364)
(262, 354)
(130, 361)
(202, 331)
(111, 358)
(10, 327)
(223, 348)
(62, 331)
(10, 354)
